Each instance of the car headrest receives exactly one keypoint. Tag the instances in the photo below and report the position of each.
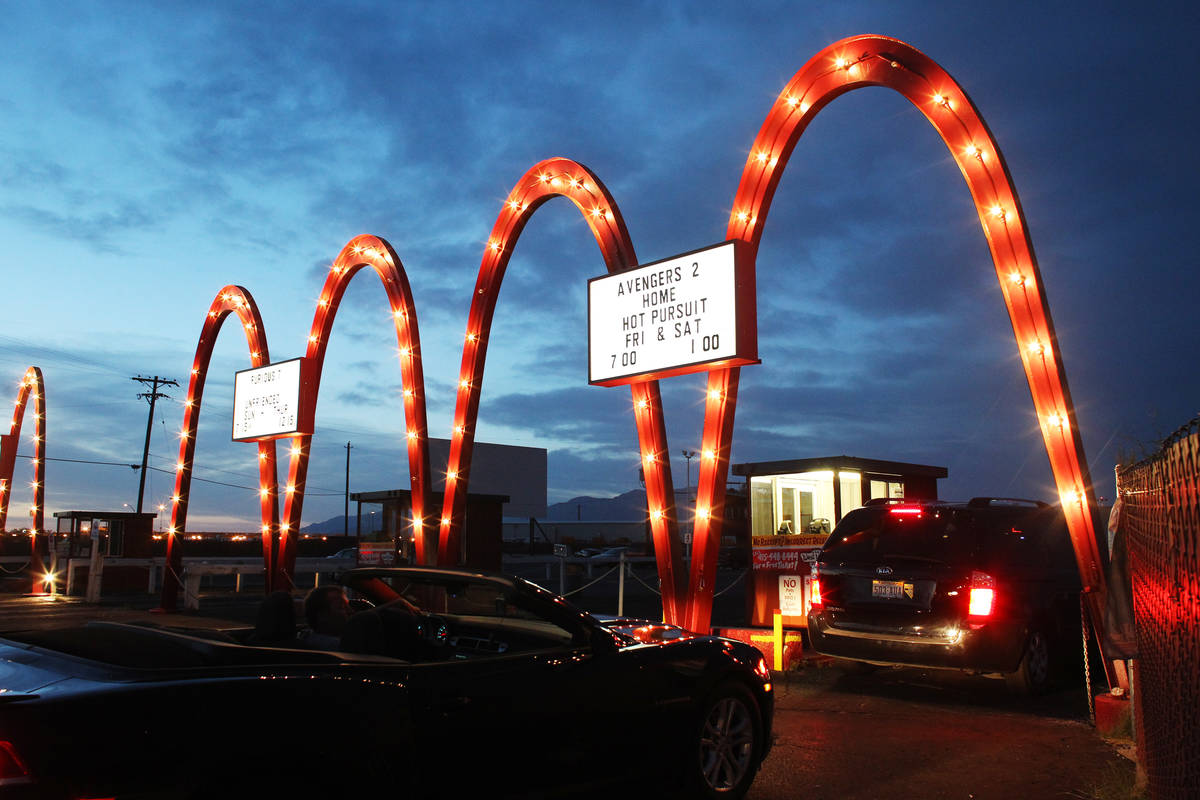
(276, 620)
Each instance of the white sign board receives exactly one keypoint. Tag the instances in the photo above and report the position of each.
(266, 401)
(791, 595)
(663, 316)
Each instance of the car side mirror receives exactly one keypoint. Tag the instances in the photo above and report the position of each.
(603, 641)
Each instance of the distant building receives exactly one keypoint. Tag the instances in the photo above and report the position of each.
(499, 469)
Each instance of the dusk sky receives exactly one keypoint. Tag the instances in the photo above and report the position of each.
(151, 153)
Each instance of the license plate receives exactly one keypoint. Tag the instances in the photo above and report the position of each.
(891, 589)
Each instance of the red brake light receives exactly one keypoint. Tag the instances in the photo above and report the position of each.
(12, 769)
(983, 593)
(814, 594)
(906, 511)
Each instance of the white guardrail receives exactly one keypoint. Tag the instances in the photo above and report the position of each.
(194, 570)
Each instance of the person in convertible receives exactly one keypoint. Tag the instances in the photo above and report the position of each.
(326, 609)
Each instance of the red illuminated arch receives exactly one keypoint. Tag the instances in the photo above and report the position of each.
(376, 253)
(558, 177)
(230, 300)
(31, 387)
(880, 61)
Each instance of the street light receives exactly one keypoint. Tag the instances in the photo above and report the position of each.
(689, 455)
(687, 542)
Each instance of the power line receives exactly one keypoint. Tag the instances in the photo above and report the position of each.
(238, 486)
(307, 492)
(85, 461)
(309, 487)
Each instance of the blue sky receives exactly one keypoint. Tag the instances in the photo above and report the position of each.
(152, 153)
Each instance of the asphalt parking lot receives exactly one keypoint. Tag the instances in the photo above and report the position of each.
(931, 734)
(893, 734)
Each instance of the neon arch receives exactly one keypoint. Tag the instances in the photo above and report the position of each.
(880, 61)
(361, 252)
(238, 301)
(32, 387)
(559, 177)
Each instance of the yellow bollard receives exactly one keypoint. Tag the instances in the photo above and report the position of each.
(778, 641)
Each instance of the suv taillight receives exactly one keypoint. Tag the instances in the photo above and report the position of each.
(814, 593)
(12, 769)
(983, 595)
(906, 511)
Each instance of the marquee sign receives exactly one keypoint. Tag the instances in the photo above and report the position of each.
(685, 314)
(272, 402)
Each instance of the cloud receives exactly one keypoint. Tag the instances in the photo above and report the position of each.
(97, 228)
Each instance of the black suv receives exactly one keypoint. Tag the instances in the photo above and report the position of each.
(990, 586)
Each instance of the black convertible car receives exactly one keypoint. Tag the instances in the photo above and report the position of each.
(444, 683)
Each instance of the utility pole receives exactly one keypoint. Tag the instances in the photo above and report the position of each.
(151, 395)
(346, 516)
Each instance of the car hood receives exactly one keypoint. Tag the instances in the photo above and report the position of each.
(20, 672)
(644, 630)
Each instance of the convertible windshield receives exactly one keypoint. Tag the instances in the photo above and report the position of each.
(457, 598)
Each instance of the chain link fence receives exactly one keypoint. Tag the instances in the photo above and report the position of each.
(1160, 516)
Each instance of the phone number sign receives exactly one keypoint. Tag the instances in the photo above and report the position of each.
(684, 314)
(784, 553)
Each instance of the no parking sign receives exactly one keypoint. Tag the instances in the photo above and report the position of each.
(791, 595)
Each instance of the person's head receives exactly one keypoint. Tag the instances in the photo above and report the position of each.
(326, 609)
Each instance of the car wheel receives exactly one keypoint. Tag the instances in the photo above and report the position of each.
(1033, 673)
(728, 743)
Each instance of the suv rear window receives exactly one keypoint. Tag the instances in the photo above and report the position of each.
(997, 539)
(944, 535)
(1032, 540)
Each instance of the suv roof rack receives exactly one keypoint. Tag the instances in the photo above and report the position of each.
(905, 501)
(984, 502)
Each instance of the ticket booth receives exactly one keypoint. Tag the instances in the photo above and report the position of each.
(793, 507)
(91, 538)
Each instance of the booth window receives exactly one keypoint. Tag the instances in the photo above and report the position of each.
(851, 485)
(762, 507)
(891, 489)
